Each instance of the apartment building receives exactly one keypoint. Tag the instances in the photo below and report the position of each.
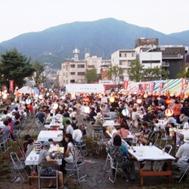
(123, 58)
(150, 59)
(173, 59)
(74, 70)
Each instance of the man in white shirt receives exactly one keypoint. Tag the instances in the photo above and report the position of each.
(183, 155)
(69, 128)
(77, 135)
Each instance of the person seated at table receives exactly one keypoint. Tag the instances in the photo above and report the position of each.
(69, 128)
(30, 145)
(26, 142)
(92, 114)
(5, 130)
(77, 135)
(69, 151)
(49, 118)
(123, 131)
(52, 143)
(41, 116)
(143, 135)
(44, 158)
(119, 153)
(177, 110)
(182, 155)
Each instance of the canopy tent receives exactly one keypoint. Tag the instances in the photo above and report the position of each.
(29, 90)
(85, 88)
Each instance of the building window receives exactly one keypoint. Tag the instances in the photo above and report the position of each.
(150, 61)
(81, 66)
(81, 73)
(72, 81)
(72, 73)
(72, 65)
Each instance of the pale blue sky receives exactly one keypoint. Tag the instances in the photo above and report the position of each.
(21, 16)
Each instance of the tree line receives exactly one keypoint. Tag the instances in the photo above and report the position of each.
(16, 66)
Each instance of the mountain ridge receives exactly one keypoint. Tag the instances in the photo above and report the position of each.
(100, 37)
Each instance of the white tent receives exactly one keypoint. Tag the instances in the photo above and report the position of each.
(85, 88)
(27, 90)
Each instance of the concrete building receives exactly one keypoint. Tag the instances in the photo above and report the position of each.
(173, 59)
(104, 70)
(123, 58)
(147, 42)
(150, 59)
(74, 70)
(93, 62)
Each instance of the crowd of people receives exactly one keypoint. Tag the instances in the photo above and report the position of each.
(150, 119)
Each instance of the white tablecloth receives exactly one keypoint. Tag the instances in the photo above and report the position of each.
(32, 158)
(142, 153)
(51, 125)
(57, 136)
(110, 123)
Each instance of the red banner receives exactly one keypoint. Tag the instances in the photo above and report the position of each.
(152, 84)
(4, 87)
(11, 85)
(125, 84)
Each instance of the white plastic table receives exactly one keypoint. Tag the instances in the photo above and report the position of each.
(142, 153)
(110, 123)
(52, 125)
(152, 154)
(57, 136)
(32, 158)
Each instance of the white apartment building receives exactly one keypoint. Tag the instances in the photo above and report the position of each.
(73, 71)
(93, 62)
(123, 58)
(150, 59)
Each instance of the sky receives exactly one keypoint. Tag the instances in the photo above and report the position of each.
(21, 16)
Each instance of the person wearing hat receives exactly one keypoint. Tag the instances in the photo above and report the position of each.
(182, 155)
(44, 157)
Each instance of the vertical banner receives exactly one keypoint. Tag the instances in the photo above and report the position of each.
(140, 88)
(152, 84)
(125, 84)
(144, 87)
(4, 87)
(11, 85)
(161, 87)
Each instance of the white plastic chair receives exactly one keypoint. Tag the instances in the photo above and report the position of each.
(18, 167)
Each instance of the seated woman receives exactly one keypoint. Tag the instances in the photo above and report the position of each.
(69, 152)
(123, 131)
(68, 145)
(44, 157)
(119, 154)
(144, 134)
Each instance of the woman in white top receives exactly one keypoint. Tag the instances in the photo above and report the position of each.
(69, 153)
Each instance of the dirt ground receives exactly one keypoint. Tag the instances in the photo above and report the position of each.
(97, 178)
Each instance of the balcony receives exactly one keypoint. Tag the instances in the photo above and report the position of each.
(173, 57)
(165, 64)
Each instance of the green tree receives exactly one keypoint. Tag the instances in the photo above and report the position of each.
(136, 72)
(115, 73)
(155, 73)
(184, 73)
(38, 74)
(91, 75)
(14, 66)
